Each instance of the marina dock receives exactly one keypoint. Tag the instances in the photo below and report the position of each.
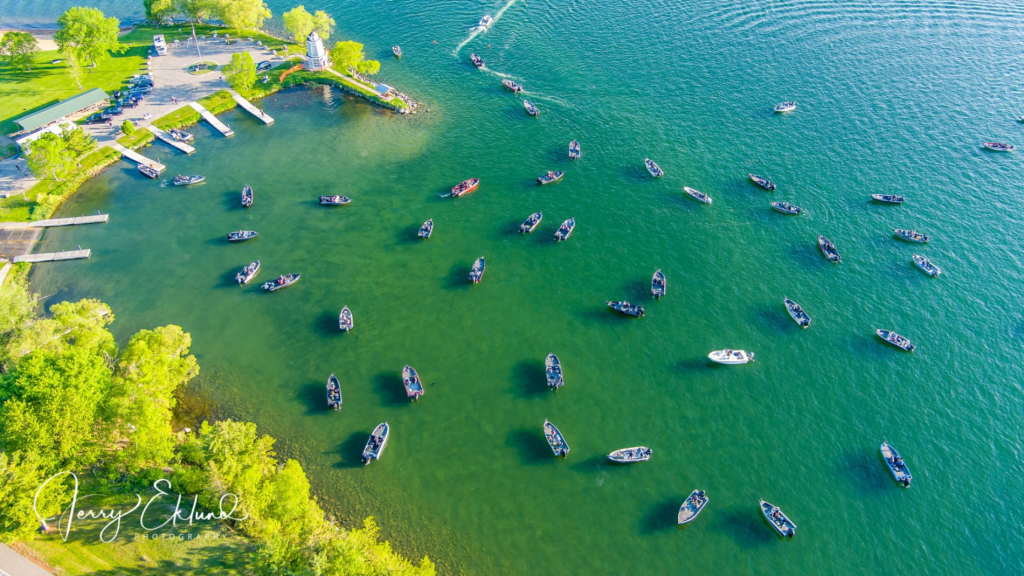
(251, 108)
(167, 138)
(54, 222)
(220, 126)
(54, 256)
(138, 158)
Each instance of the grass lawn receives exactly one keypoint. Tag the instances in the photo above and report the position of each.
(138, 139)
(42, 199)
(144, 34)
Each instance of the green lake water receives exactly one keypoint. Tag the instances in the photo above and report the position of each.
(893, 96)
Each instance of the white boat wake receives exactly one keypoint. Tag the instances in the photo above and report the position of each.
(477, 30)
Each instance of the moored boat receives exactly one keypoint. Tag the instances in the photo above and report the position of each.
(896, 465)
(476, 273)
(910, 235)
(730, 356)
(531, 223)
(345, 320)
(511, 85)
(333, 392)
(630, 455)
(427, 229)
(397, 51)
(786, 208)
(555, 440)
(626, 308)
(465, 188)
(762, 182)
(893, 339)
(773, 514)
(887, 198)
(180, 180)
(550, 177)
(553, 372)
(148, 171)
(377, 442)
(248, 273)
(658, 285)
(692, 506)
(180, 135)
(999, 146)
(486, 22)
(653, 168)
(240, 235)
(247, 196)
(411, 381)
(785, 107)
(697, 195)
(530, 108)
(565, 230)
(282, 281)
(828, 249)
(926, 265)
(477, 61)
(574, 150)
(798, 314)
(334, 200)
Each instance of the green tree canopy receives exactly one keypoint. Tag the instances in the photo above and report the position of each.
(49, 156)
(241, 71)
(87, 34)
(20, 477)
(128, 127)
(78, 142)
(243, 14)
(349, 55)
(298, 23)
(18, 49)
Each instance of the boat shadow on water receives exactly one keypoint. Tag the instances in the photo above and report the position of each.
(458, 277)
(351, 449)
(409, 235)
(744, 525)
(636, 173)
(595, 465)
(866, 471)
(327, 324)
(312, 396)
(388, 386)
(529, 379)
(531, 446)
(661, 516)
(776, 320)
(637, 291)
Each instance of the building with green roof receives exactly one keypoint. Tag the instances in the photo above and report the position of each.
(63, 109)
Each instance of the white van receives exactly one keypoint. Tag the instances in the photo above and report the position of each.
(160, 45)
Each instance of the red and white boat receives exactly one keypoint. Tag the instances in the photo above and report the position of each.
(467, 187)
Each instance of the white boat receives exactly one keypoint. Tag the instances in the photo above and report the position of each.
(282, 281)
(798, 314)
(729, 356)
(180, 180)
(773, 514)
(574, 150)
(694, 503)
(893, 339)
(785, 107)
(530, 108)
(910, 235)
(427, 229)
(829, 249)
(787, 208)
(397, 51)
(241, 235)
(658, 284)
(553, 372)
(555, 440)
(565, 230)
(485, 22)
(333, 393)
(653, 168)
(896, 465)
(926, 265)
(247, 196)
(377, 442)
(411, 381)
(345, 320)
(697, 195)
(531, 223)
(887, 198)
(630, 455)
(248, 273)
(476, 273)
(999, 146)
(762, 182)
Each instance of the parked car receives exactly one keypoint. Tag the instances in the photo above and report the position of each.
(115, 111)
(263, 66)
(141, 90)
(96, 118)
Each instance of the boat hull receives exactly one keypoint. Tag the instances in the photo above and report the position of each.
(692, 507)
(783, 526)
(731, 357)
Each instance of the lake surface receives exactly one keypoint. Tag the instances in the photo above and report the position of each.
(893, 96)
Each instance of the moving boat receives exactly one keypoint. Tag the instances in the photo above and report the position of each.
(694, 503)
(427, 229)
(786, 107)
(180, 135)
(999, 146)
(511, 85)
(411, 380)
(530, 108)
(894, 339)
(626, 308)
(397, 50)
(658, 285)
(797, 313)
(283, 281)
(180, 180)
(574, 150)
(786, 208)
(565, 230)
(334, 200)
(762, 182)
(148, 171)
(531, 223)
(896, 465)
(887, 198)
(241, 235)
(653, 168)
(550, 177)
(553, 371)
(910, 235)
(828, 249)
(777, 519)
(477, 61)
(333, 392)
(630, 455)
(926, 265)
(377, 442)
(466, 188)
(476, 273)
(247, 196)
(345, 320)
(729, 356)
(697, 195)
(248, 273)
(486, 22)
(555, 440)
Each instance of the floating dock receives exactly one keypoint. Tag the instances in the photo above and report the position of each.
(167, 138)
(77, 220)
(138, 158)
(54, 256)
(220, 126)
(251, 108)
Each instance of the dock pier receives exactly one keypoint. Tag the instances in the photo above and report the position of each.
(138, 158)
(167, 138)
(54, 222)
(251, 108)
(220, 126)
(55, 256)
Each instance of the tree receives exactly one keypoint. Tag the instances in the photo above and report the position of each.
(323, 24)
(349, 55)
(78, 142)
(298, 22)
(17, 309)
(20, 478)
(81, 324)
(161, 10)
(243, 14)
(18, 49)
(87, 34)
(241, 71)
(49, 155)
(128, 127)
(74, 67)
(368, 67)
(197, 10)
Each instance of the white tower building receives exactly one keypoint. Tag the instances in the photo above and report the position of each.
(316, 55)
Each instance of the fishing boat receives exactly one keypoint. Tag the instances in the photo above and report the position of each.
(530, 108)
(773, 514)
(476, 273)
(427, 229)
(896, 465)
(694, 503)
(485, 22)
(466, 188)
(910, 235)
(762, 182)
(653, 168)
(926, 265)
(626, 308)
(785, 107)
(798, 314)
(180, 180)
(630, 455)
(247, 196)
(531, 223)
(999, 146)
(786, 208)
(333, 392)
(894, 339)
(477, 61)
(555, 440)
(282, 281)
(550, 177)
(345, 320)
(553, 371)
(241, 235)
(148, 171)
(574, 150)
(511, 85)
(180, 135)
(697, 195)
(828, 249)
(334, 200)
(658, 285)
(377, 442)
(397, 50)
(411, 381)
(729, 356)
(248, 273)
(565, 230)
(887, 198)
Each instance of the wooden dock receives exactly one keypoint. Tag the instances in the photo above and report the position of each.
(54, 256)
(220, 126)
(77, 220)
(167, 138)
(138, 158)
(251, 109)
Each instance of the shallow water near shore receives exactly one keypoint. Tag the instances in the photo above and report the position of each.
(893, 97)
